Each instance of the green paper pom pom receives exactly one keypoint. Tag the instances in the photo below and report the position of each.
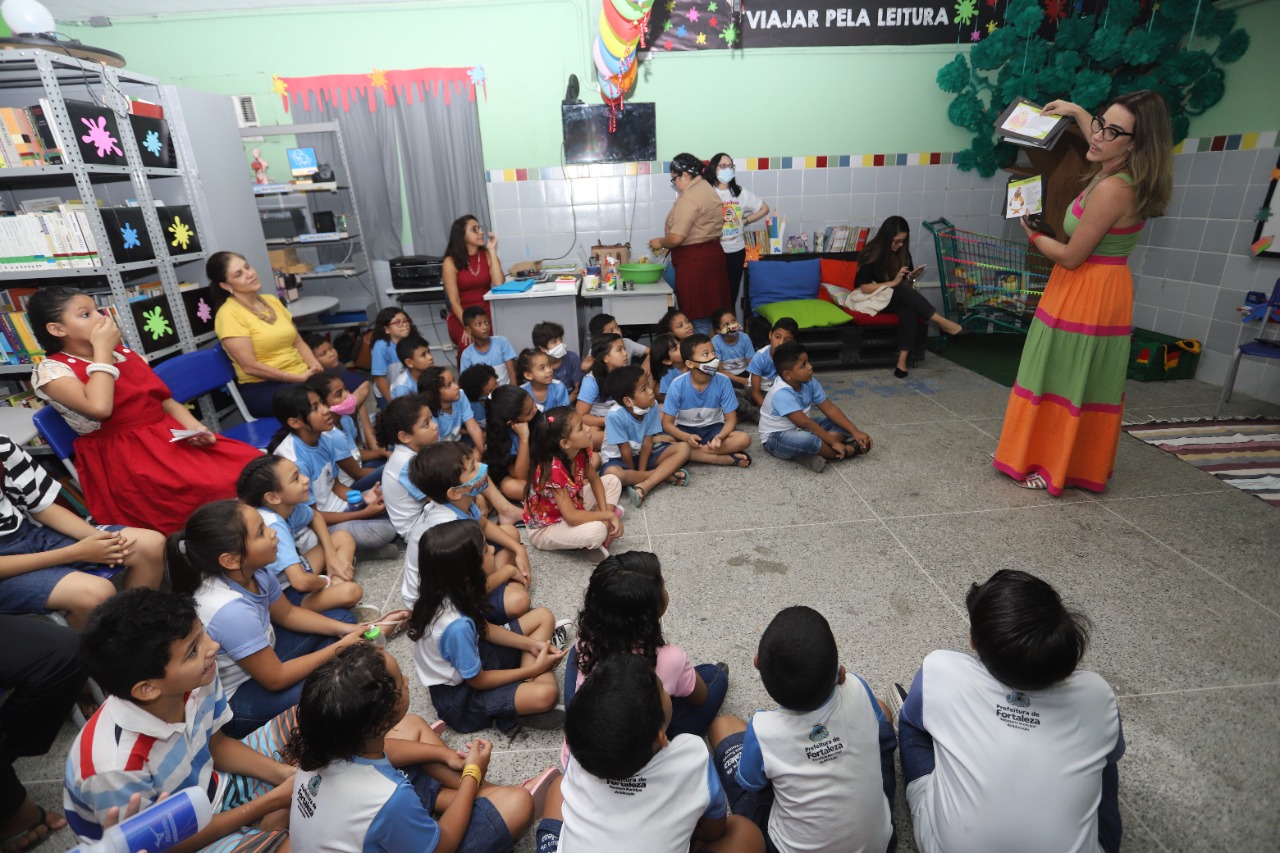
(967, 111)
(1092, 88)
(1105, 46)
(1120, 13)
(995, 50)
(1067, 61)
(1181, 124)
(954, 76)
(1023, 17)
(1232, 46)
(1216, 24)
(1074, 33)
(1206, 92)
(1141, 47)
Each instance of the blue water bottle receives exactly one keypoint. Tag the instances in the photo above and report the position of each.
(355, 501)
(156, 828)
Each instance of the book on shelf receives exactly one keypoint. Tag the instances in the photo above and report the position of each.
(30, 137)
(57, 239)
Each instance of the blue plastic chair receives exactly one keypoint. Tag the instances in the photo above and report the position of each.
(59, 435)
(1258, 348)
(195, 373)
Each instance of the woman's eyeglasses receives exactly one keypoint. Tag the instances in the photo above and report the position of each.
(1109, 132)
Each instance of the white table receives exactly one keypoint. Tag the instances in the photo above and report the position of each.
(642, 306)
(18, 423)
(306, 306)
(515, 314)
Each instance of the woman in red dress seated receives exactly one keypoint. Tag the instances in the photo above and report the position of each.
(131, 470)
(470, 268)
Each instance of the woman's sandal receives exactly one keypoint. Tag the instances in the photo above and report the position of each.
(13, 842)
(1032, 481)
(679, 478)
(638, 494)
(739, 457)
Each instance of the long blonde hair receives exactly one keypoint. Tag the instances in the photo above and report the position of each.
(1150, 161)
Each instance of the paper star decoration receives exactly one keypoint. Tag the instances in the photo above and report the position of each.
(279, 86)
(714, 22)
(701, 39)
(966, 11)
(975, 35)
(378, 79)
(682, 31)
(99, 137)
(203, 310)
(671, 5)
(666, 26)
(152, 143)
(181, 233)
(992, 26)
(712, 6)
(157, 324)
(130, 236)
(693, 15)
(729, 34)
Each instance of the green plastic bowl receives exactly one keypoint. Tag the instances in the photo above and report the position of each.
(641, 273)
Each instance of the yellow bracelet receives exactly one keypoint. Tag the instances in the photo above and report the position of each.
(473, 770)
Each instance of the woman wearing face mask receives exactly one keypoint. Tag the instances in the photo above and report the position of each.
(1062, 425)
(693, 236)
(738, 209)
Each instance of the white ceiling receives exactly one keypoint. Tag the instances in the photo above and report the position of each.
(82, 10)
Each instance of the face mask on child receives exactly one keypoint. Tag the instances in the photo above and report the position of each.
(711, 367)
(730, 328)
(477, 484)
(346, 407)
(724, 175)
(640, 411)
(558, 351)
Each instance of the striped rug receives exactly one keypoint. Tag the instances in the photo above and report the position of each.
(1242, 452)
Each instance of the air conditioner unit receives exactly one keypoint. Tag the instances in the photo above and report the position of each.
(246, 111)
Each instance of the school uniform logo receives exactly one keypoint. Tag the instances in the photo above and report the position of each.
(307, 797)
(818, 732)
(1019, 699)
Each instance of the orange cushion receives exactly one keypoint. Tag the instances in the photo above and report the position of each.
(839, 273)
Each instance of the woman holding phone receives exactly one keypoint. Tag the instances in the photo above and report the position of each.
(1062, 424)
(886, 262)
(471, 266)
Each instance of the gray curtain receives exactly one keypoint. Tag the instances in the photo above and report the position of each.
(443, 165)
(435, 147)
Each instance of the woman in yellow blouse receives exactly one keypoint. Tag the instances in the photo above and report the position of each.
(257, 332)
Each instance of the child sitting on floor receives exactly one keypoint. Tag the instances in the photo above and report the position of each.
(701, 409)
(356, 383)
(787, 431)
(315, 570)
(450, 477)
(627, 787)
(665, 364)
(607, 353)
(674, 322)
(478, 382)
(269, 644)
(160, 729)
(307, 437)
(450, 406)
(486, 348)
(761, 369)
(344, 411)
(734, 350)
(391, 326)
(630, 451)
(478, 673)
(361, 787)
(415, 356)
(816, 774)
(406, 426)
(52, 559)
(602, 325)
(565, 363)
(1016, 749)
(568, 505)
(506, 438)
(547, 392)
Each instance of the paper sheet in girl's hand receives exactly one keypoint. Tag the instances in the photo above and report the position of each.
(1023, 198)
(184, 434)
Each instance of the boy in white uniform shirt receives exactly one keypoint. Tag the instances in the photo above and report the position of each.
(627, 789)
(1016, 750)
(817, 774)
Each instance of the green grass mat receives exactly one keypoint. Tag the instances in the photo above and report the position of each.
(993, 356)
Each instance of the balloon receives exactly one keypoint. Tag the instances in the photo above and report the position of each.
(629, 78)
(614, 45)
(620, 26)
(28, 16)
(611, 64)
(630, 11)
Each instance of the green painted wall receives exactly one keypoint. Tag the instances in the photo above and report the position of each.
(762, 103)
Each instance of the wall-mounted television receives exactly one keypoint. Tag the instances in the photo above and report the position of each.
(587, 138)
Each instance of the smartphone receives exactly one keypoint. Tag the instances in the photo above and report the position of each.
(916, 272)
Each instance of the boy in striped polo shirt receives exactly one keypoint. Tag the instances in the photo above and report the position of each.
(158, 731)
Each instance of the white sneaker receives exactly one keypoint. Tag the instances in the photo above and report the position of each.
(560, 635)
(896, 695)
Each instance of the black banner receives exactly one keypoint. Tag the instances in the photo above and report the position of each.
(708, 24)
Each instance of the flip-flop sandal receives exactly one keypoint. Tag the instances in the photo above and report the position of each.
(637, 495)
(680, 481)
(739, 457)
(11, 843)
(1032, 481)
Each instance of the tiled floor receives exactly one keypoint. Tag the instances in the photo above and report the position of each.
(1177, 570)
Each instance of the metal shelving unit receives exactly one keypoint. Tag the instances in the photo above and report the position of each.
(354, 269)
(30, 75)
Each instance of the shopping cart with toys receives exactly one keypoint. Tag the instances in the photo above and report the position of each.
(989, 284)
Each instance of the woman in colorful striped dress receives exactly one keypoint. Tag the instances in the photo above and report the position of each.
(1062, 424)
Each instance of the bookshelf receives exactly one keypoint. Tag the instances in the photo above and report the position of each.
(129, 185)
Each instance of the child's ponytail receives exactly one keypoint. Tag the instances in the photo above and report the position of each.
(258, 478)
(545, 435)
(658, 350)
(291, 401)
(399, 416)
(505, 404)
(429, 384)
(193, 553)
(599, 347)
(621, 611)
(454, 553)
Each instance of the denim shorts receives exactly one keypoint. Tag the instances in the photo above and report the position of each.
(466, 709)
(791, 443)
(755, 806)
(486, 831)
(29, 591)
(705, 433)
(659, 447)
(496, 605)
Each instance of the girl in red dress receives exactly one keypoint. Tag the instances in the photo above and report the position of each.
(131, 471)
(470, 268)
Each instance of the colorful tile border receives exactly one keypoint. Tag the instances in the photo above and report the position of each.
(1232, 142)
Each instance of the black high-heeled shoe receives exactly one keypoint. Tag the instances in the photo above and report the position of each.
(899, 373)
